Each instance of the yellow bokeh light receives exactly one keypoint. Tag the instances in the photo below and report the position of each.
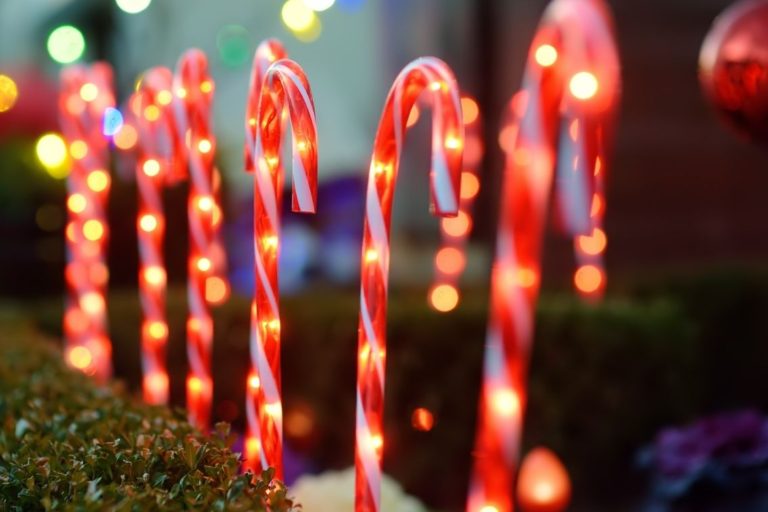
(151, 113)
(93, 230)
(80, 357)
(444, 297)
(297, 16)
(89, 91)
(78, 149)
(164, 97)
(546, 55)
(148, 223)
(204, 146)
(77, 203)
(133, 6)
(151, 167)
(204, 264)
(154, 275)
(506, 402)
(9, 93)
(98, 180)
(583, 85)
(51, 151)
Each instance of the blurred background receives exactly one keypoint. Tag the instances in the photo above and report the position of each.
(679, 337)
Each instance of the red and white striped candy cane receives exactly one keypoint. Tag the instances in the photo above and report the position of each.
(193, 88)
(86, 94)
(451, 258)
(159, 162)
(570, 91)
(283, 86)
(433, 76)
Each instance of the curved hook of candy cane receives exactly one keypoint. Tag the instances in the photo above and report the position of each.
(451, 258)
(85, 96)
(433, 76)
(284, 86)
(267, 53)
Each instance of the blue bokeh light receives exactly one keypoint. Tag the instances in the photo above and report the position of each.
(113, 122)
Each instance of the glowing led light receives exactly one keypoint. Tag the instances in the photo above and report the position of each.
(154, 275)
(77, 203)
(133, 6)
(204, 146)
(273, 325)
(506, 402)
(593, 244)
(273, 409)
(413, 116)
(205, 204)
(252, 448)
(93, 230)
(450, 260)
(148, 222)
(80, 358)
(98, 180)
(9, 93)
(546, 55)
(66, 44)
(151, 113)
(156, 383)
(453, 142)
(151, 167)
(469, 110)
(194, 385)
(203, 264)
(216, 290)
(524, 277)
(470, 185)
(489, 508)
(377, 442)
(157, 330)
(588, 278)
(297, 16)
(112, 122)
(164, 97)
(457, 226)
(270, 242)
(422, 419)
(51, 151)
(319, 5)
(181, 93)
(436, 86)
(444, 298)
(371, 255)
(89, 92)
(92, 303)
(583, 85)
(254, 382)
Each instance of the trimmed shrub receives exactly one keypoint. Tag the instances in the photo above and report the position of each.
(67, 444)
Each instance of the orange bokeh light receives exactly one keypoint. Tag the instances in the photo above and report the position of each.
(157, 330)
(413, 116)
(588, 278)
(126, 138)
(469, 110)
(299, 422)
(422, 419)
(450, 260)
(216, 290)
(594, 243)
(444, 297)
(457, 226)
(470, 185)
(154, 275)
(543, 482)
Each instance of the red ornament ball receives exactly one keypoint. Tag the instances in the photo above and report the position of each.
(733, 68)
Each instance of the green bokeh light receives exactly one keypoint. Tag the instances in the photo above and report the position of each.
(66, 44)
(234, 44)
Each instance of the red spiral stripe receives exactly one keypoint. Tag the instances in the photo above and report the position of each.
(193, 88)
(283, 86)
(86, 93)
(435, 77)
(566, 108)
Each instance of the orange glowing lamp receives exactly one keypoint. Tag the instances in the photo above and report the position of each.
(543, 484)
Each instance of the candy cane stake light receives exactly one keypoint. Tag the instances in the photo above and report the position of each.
(284, 86)
(557, 135)
(160, 162)
(86, 95)
(193, 97)
(451, 258)
(434, 77)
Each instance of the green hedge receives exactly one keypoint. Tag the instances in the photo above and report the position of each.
(66, 444)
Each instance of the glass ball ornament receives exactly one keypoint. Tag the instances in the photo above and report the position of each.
(733, 68)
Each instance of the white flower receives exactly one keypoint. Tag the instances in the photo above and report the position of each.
(334, 491)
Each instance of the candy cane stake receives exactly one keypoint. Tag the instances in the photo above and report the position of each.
(435, 77)
(194, 93)
(86, 94)
(159, 163)
(570, 90)
(284, 86)
(451, 258)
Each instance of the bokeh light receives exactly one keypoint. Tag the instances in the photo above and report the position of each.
(9, 93)
(66, 44)
(588, 278)
(234, 44)
(583, 85)
(444, 298)
(469, 110)
(301, 20)
(113, 121)
(51, 152)
(133, 6)
(319, 5)
(546, 55)
(422, 419)
(126, 138)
